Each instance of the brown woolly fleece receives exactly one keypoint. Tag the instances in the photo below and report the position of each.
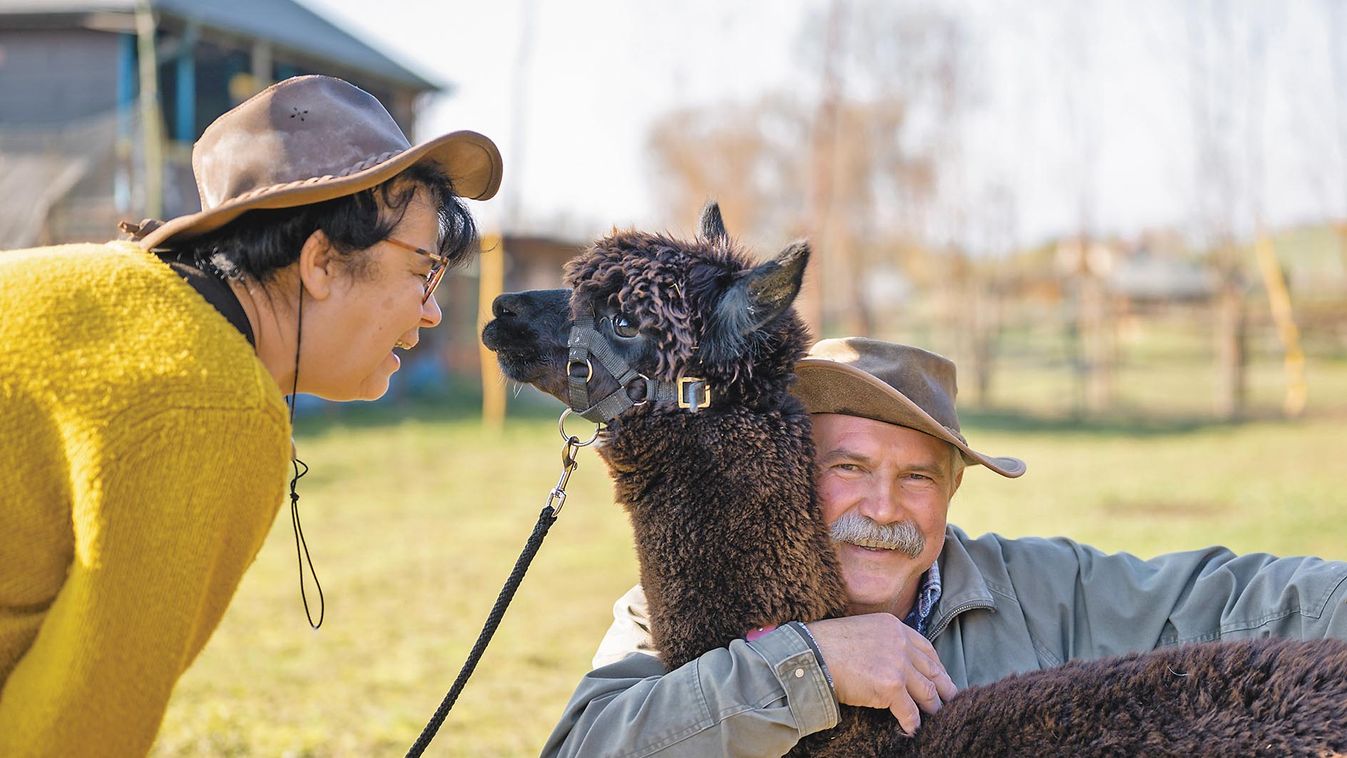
(730, 536)
(1271, 697)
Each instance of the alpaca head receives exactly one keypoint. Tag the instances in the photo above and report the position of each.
(668, 309)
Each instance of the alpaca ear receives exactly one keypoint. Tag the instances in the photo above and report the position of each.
(759, 295)
(771, 287)
(713, 226)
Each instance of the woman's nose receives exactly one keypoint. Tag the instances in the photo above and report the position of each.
(431, 315)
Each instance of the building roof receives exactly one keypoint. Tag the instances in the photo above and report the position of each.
(284, 23)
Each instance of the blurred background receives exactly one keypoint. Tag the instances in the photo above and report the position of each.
(1125, 221)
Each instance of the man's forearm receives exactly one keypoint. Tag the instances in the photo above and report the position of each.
(749, 699)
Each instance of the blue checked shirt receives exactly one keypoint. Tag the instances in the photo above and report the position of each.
(927, 597)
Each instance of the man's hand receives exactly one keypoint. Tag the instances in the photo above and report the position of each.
(879, 662)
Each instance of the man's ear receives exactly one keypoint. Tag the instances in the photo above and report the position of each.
(318, 266)
(757, 297)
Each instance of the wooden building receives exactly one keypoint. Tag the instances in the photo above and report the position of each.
(75, 156)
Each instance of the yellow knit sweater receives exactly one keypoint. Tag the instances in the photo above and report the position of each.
(143, 452)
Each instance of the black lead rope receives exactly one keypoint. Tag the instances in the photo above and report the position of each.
(545, 521)
(546, 518)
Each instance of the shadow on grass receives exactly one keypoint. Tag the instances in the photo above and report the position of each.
(450, 404)
(1117, 424)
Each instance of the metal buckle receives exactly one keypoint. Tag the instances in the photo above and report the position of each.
(697, 403)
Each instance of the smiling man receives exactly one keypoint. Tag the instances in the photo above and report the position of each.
(931, 609)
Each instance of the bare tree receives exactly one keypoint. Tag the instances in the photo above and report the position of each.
(747, 157)
(1274, 281)
(1089, 318)
(1336, 28)
(828, 165)
(1211, 45)
(823, 144)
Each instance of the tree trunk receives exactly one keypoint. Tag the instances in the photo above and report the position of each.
(986, 334)
(1231, 347)
(1096, 334)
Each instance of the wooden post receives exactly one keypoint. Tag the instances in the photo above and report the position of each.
(1279, 299)
(490, 283)
(151, 124)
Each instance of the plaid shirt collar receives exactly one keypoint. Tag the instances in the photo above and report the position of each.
(927, 597)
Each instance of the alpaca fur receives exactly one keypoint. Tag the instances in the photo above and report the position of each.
(729, 534)
(1271, 697)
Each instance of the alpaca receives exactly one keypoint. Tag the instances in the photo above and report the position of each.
(712, 459)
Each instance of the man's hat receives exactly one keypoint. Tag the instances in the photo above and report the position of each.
(308, 139)
(892, 383)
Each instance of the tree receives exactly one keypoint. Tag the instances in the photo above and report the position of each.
(1214, 128)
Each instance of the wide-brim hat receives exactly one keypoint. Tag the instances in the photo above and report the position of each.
(896, 384)
(308, 139)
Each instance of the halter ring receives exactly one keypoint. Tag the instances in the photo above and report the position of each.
(561, 427)
(589, 369)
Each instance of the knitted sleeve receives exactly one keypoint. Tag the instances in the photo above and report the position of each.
(164, 527)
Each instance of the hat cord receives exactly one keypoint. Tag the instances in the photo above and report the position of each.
(301, 557)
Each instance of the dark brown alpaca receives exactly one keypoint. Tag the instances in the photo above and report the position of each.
(730, 537)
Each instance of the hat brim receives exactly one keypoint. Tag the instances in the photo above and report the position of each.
(826, 386)
(470, 160)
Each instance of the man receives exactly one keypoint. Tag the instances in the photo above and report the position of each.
(931, 609)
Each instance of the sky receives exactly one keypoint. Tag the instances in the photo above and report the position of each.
(1083, 113)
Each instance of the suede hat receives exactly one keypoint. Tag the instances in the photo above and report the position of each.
(308, 139)
(896, 384)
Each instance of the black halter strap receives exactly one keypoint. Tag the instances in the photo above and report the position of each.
(585, 344)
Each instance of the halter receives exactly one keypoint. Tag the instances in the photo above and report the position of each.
(585, 343)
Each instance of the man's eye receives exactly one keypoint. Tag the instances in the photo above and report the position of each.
(623, 326)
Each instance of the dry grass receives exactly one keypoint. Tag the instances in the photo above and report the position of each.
(414, 525)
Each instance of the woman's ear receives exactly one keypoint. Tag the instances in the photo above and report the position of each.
(318, 266)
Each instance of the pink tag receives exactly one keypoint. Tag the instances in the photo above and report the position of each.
(762, 631)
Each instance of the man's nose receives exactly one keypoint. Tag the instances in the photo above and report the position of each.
(883, 504)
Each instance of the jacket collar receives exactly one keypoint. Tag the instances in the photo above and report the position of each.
(963, 587)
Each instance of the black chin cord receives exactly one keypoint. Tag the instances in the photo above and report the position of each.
(301, 557)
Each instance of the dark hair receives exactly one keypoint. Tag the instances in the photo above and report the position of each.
(261, 242)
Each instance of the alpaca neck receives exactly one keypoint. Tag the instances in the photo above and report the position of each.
(727, 528)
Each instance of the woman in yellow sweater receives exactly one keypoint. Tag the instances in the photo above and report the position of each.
(146, 440)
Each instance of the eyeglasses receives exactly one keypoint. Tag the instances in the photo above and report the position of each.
(439, 264)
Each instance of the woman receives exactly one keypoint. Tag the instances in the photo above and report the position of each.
(145, 435)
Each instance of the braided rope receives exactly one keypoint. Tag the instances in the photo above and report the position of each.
(545, 520)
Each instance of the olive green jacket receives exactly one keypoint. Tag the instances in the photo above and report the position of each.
(1007, 606)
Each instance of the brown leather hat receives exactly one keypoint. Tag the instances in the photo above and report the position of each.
(896, 384)
(308, 139)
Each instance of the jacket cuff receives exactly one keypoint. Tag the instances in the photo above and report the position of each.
(800, 672)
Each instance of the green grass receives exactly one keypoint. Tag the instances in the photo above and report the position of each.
(414, 525)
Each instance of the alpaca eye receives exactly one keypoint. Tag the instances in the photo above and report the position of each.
(624, 326)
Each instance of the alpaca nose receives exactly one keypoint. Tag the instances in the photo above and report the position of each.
(508, 305)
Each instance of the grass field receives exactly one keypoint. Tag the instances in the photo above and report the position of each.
(415, 520)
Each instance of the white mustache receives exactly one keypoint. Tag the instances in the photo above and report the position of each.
(903, 536)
